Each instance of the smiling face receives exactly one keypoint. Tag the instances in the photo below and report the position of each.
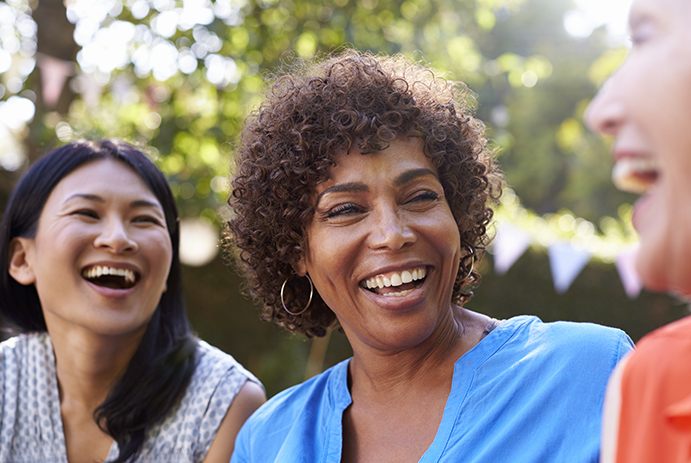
(383, 247)
(102, 252)
(646, 107)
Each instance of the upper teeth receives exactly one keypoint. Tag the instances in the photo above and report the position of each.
(97, 271)
(634, 174)
(395, 278)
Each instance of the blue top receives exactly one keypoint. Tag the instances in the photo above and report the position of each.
(529, 392)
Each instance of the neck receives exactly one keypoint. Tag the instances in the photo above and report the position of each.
(88, 365)
(430, 362)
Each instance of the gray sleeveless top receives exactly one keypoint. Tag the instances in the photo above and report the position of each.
(31, 424)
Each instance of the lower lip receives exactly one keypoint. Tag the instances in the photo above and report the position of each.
(398, 303)
(111, 293)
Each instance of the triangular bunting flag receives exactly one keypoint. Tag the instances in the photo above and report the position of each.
(566, 263)
(54, 73)
(626, 266)
(509, 244)
(90, 90)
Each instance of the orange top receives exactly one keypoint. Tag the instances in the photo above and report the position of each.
(648, 403)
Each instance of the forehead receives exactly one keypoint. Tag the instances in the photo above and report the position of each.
(664, 9)
(103, 176)
(402, 154)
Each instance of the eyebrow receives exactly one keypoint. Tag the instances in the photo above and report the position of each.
(343, 188)
(635, 18)
(98, 199)
(402, 179)
(406, 177)
(145, 203)
(639, 15)
(88, 197)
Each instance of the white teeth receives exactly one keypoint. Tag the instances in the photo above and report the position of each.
(396, 279)
(398, 294)
(634, 174)
(98, 271)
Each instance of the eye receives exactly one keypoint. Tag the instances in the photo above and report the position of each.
(146, 219)
(638, 39)
(86, 213)
(642, 33)
(424, 196)
(343, 209)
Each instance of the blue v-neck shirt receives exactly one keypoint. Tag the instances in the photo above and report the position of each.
(528, 392)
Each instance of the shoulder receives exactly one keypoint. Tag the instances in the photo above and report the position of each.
(217, 376)
(217, 367)
(301, 410)
(314, 391)
(677, 334)
(662, 355)
(24, 341)
(296, 421)
(20, 347)
(192, 425)
(547, 348)
(581, 338)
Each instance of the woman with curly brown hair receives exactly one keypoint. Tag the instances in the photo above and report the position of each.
(361, 195)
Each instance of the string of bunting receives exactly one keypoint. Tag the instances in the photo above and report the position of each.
(570, 242)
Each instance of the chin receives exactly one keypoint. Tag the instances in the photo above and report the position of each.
(663, 277)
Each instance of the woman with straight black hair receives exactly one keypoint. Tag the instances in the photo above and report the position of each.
(105, 367)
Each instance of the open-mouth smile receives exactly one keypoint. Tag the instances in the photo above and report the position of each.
(635, 174)
(396, 283)
(110, 277)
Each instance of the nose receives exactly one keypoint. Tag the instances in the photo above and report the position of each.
(391, 230)
(115, 238)
(606, 112)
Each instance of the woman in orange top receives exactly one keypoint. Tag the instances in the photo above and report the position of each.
(647, 109)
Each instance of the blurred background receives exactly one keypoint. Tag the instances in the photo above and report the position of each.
(179, 77)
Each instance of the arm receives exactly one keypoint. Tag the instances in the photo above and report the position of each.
(250, 397)
(611, 415)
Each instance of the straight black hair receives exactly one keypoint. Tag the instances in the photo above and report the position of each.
(160, 370)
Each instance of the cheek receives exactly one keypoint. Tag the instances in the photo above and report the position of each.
(160, 254)
(72, 243)
(447, 231)
(328, 250)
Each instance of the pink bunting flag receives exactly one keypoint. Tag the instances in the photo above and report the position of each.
(54, 74)
(626, 266)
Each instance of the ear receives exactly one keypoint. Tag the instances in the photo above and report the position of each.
(20, 267)
(300, 267)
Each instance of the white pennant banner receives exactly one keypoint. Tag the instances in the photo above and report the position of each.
(90, 89)
(626, 266)
(566, 264)
(508, 246)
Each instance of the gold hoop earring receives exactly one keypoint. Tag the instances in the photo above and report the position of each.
(283, 302)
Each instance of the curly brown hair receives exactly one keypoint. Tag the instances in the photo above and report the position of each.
(321, 109)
